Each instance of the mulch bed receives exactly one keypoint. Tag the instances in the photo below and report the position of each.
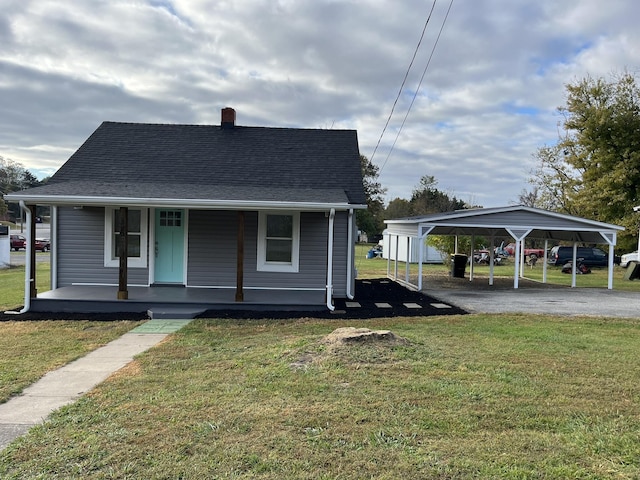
(367, 294)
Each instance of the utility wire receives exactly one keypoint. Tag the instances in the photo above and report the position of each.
(415, 53)
(419, 85)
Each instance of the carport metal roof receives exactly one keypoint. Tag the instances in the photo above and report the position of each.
(517, 221)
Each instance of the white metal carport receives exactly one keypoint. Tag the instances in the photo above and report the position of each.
(517, 221)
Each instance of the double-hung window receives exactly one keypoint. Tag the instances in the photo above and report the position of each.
(136, 237)
(278, 241)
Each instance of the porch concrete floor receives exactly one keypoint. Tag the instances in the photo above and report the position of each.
(179, 294)
(90, 298)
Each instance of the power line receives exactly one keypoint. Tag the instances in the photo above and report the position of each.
(415, 53)
(424, 72)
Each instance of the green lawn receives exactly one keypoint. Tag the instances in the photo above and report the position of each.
(477, 396)
(12, 283)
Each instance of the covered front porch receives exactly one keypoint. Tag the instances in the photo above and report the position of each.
(174, 301)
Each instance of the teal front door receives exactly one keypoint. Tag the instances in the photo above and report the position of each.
(169, 246)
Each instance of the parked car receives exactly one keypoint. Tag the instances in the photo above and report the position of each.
(628, 257)
(593, 257)
(17, 242)
(43, 244)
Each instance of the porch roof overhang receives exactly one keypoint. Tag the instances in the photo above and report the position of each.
(186, 196)
(187, 203)
(505, 222)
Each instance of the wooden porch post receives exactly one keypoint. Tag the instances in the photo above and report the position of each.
(123, 249)
(33, 291)
(240, 259)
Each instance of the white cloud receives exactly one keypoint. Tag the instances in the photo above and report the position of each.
(488, 100)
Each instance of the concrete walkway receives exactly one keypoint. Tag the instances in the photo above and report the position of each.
(68, 383)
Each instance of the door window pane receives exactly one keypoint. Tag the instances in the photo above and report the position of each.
(170, 218)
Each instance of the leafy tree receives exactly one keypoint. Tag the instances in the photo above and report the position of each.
(426, 198)
(14, 177)
(530, 198)
(398, 208)
(594, 169)
(371, 219)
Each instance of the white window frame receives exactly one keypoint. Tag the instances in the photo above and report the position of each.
(110, 260)
(262, 264)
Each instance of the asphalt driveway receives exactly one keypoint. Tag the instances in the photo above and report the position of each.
(477, 297)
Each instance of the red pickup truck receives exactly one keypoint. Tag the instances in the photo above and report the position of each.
(528, 252)
(17, 242)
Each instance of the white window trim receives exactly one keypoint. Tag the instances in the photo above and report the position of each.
(262, 264)
(112, 261)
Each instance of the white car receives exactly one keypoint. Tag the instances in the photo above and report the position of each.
(628, 257)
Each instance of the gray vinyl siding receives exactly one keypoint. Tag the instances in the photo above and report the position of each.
(213, 244)
(80, 250)
(312, 266)
(340, 253)
(212, 248)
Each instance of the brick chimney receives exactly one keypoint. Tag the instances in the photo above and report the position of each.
(228, 118)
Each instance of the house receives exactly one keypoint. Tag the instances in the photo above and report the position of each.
(223, 216)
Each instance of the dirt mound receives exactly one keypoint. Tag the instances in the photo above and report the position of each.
(352, 335)
(352, 345)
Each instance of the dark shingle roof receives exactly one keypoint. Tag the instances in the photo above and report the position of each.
(198, 161)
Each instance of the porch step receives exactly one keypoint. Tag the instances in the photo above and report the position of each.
(160, 326)
(178, 313)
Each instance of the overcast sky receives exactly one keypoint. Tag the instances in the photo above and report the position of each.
(487, 101)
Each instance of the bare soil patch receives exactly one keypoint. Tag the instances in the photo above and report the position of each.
(353, 345)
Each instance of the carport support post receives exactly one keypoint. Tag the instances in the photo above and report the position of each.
(492, 255)
(395, 265)
(408, 263)
(544, 262)
(423, 232)
(387, 242)
(421, 242)
(574, 264)
(473, 246)
(610, 269)
(517, 257)
(519, 236)
(123, 252)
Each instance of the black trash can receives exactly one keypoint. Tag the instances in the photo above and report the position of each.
(458, 265)
(633, 271)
